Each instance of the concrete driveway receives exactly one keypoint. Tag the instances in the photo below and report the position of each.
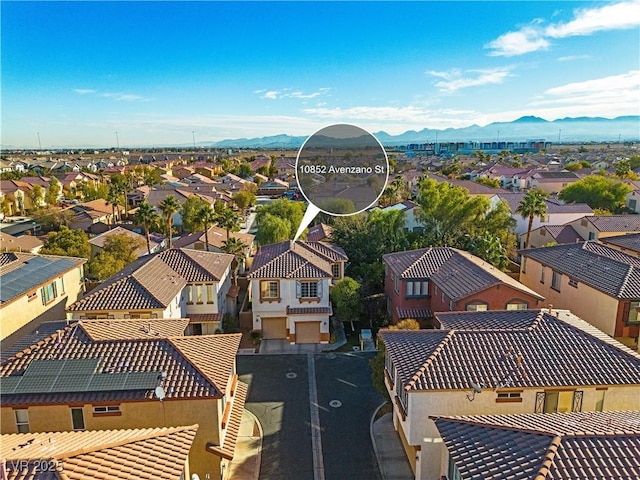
(279, 346)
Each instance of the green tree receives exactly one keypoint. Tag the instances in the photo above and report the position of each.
(489, 182)
(90, 192)
(115, 199)
(573, 166)
(52, 218)
(169, 206)
(236, 247)
(532, 205)
(190, 211)
(68, 243)
(597, 192)
(623, 168)
(227, 219)
(36, 195)
(345, 296)
(118, 251)
(121, 183)
(273, 229)
(146, 216)
(290, 214)
(206, 217)
(244, 170)
(244, 199)
(53, 191)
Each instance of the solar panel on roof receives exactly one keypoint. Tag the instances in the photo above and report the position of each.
(30, 274)
(75, 375)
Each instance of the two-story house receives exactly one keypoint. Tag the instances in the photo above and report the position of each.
(121, 374)
(94, 455)
(174, 283)
(420, 282)
(595, 227)
(554, 234)
(562, 446)
(507, 362)
(289, 289)
(628, 243)
(596, 282)
(35, 289)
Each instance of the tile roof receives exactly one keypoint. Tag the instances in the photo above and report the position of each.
(604, 268)
(23, 272)
(310, 310)
(414, 313)
(227, 449)
(134, 329)
(553, 350)
(564, 446)
(457, 273)
(295, 260)
(217, 237)
(205, 317)
(21, 243)
(196, 367)
(564, 233)
(615, 223)
(629, 241)
(514, 199)
(152, 281)
(319, 232)
(141, 454)
(36, 335)
(101, 239)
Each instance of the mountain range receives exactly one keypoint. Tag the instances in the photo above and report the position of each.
(579, 129)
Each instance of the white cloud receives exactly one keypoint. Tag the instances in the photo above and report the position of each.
(534, 37)
(571, 58)
(619, 16)
(118, 97)
(287, 93)
(526, 40)
(83, 91)
(455, 79)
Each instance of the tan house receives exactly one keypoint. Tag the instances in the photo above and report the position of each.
(554, 234)
(562, 446)
(628, 243)
(35, 289)
(175, 283)
(596, 282)
(23, 243)
(98, 242)
(140, 454)
(500, 362)
(119, 374)
(16, 195)
(596, 227)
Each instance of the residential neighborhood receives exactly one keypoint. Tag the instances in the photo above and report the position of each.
(154, 303)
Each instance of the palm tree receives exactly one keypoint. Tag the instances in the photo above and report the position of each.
(206, 216)
(169, 206)
(235, 247)
(227, 219)
(147, 216)
(114, 198)
(532, 205)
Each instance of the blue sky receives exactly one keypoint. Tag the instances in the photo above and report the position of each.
(163, 72)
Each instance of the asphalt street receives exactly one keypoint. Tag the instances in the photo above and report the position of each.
(279, 397)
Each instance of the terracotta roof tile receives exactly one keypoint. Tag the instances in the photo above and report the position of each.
(415, 313)
(527, 348)
(310, 310)
(564, 446)
(197, 366)
(457, 273)
(604, 268)
(121, 329)
(615, 223)
(319, 232)
(21, 243)
(227, 449)
(295, 260)
(629, 241)
(151, 453)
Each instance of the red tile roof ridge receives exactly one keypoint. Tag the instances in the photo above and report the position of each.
(536, 321)
(145, 434)
(547, 462)
(443, 343)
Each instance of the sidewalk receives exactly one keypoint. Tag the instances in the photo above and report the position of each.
(246, 460)
(387, 446)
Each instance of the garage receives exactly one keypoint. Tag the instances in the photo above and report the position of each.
(275, 327)
(307, 332)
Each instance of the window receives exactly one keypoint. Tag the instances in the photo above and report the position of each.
(270, 289)
(592, 236)
(450, 305)
(32, 296)
(517, 305)
(417, 289)
(542, 275)
(198, 293)
(77, 419)
(506, 397)
(209, 293)
(442, 297)
(62, 285)
(453, 473)
(308, 289)
(573, 283)
(556, 280)
(634, 312)
(559, 402)
(22, 420)
(335, 270)
(48, 293)
(584, 222)
(189, 293)
(396, 284)
(106, 409)
(477, 307)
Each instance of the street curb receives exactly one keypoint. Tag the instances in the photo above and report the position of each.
(373, 439)
(259, 449)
